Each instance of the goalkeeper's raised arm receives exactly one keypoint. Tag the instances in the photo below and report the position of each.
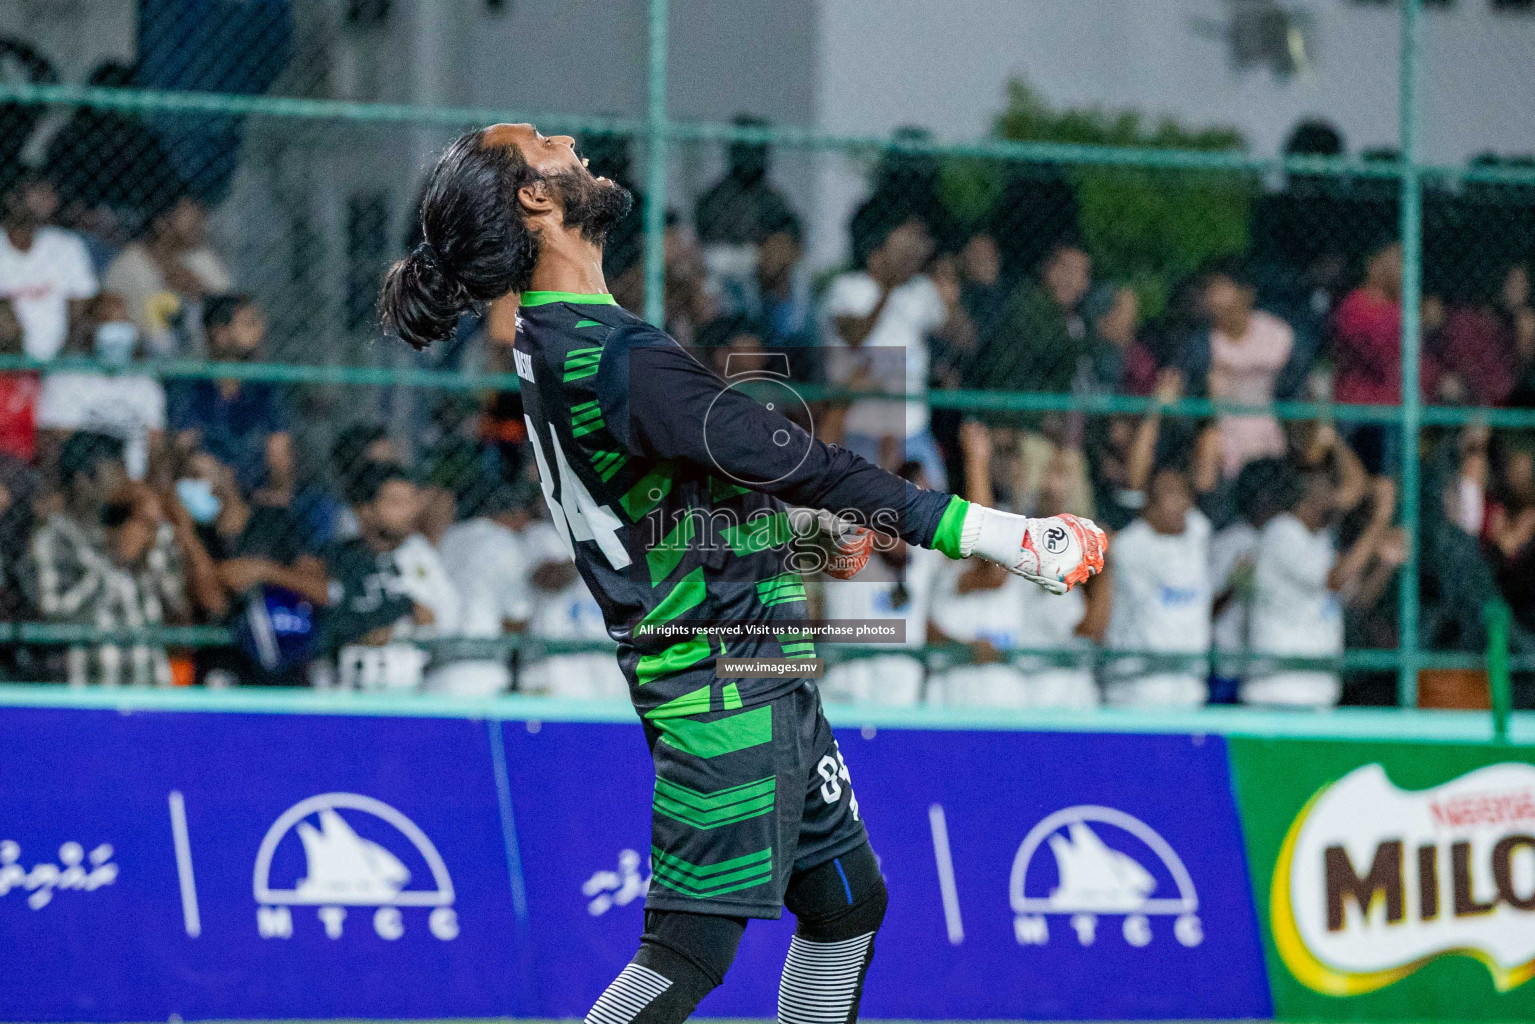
(672, 408)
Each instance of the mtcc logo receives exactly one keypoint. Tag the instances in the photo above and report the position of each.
(332, 867)
(1106, 864)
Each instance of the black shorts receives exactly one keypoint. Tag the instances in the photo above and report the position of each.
(745, 800)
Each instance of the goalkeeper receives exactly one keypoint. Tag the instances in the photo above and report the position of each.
(669, 486)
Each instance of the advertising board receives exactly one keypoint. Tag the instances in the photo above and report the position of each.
(1393, 880)
(252, 866)
(1032, 875)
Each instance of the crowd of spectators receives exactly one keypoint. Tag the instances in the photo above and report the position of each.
(131, 501)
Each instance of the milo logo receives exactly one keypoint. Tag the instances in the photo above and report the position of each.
(1373, 881)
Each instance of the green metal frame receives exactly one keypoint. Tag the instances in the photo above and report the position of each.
(1412, 291)
(660, 133)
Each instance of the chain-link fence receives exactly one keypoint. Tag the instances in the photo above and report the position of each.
(1205, 351)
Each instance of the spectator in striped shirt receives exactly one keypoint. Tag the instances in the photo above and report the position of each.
(116, 557)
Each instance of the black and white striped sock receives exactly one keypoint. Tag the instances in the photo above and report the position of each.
(822, 981)
(635, 988)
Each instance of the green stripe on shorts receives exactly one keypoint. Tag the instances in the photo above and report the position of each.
(703, 881)
(721, 736)
(711, 810)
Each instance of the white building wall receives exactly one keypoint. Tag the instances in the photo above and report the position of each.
(864, 67)
(886, 63)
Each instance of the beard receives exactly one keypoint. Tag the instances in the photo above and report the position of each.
(592, 207)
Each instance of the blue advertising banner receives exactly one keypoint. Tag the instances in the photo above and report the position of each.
(225, 866)
(1032, 875)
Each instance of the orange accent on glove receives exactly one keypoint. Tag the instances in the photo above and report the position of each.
(848, 554)
(1094, 544)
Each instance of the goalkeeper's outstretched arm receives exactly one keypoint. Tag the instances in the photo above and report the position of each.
(667, 406)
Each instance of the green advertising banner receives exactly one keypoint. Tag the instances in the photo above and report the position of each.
(1392, 880)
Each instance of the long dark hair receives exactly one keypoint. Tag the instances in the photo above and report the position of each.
(476, 247)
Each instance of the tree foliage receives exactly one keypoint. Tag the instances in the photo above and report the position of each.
(1146, 226)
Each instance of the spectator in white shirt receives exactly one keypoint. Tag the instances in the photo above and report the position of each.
(389, 589)
(45, 271)
(1300, 586)
(882, 315)
(127, 406)
(565, 611)
(1160, 567)
(980, 604)
(488, 560)
(1260, 493)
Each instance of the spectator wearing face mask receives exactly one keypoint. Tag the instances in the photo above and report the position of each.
(127, 406)
(45, 271)
(19, 391)
(270, 583)
(116, 556)
(166, 274)
(389, 586)
(243, 424)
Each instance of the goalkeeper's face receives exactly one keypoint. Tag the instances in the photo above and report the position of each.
(589, 205)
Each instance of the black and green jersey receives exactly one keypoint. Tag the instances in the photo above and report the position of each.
(670, 483)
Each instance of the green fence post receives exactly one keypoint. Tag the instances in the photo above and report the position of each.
(1412, 279)
(658, 130)
(1499, 686)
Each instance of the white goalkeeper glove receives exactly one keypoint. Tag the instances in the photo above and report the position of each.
(1057, 553)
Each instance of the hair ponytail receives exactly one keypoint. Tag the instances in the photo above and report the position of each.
(477, 247)
(419, 301)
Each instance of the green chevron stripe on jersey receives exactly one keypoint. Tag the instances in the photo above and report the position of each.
(796, 645)
(585, 418)
(702, 881)
(607, 464)
(711, 810)
(781, 590)
(531, 299)
(721, 736)
(581, 363)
